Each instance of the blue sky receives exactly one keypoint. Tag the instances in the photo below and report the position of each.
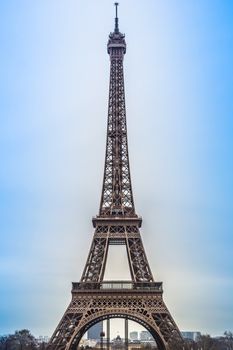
(54, 72)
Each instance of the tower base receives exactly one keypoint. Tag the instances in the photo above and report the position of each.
(94, 302)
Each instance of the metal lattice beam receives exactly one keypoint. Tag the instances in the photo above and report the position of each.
(117, 196)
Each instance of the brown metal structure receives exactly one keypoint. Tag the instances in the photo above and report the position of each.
(94, 299)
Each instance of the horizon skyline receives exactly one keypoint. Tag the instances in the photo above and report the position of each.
(114, 333)
(54, 94)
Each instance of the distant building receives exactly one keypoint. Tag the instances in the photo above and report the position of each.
(191, 335)
(118, 343)
(133, 335)
(145, 335)
(43, 339)
(94, 331)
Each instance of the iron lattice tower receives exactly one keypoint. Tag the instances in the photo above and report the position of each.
(94, 299)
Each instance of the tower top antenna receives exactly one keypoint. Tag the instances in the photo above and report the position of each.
(116, 30)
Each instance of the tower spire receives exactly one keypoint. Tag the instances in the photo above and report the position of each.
(116, 30)
(117, 196)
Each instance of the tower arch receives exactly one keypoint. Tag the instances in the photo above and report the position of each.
(103, 315)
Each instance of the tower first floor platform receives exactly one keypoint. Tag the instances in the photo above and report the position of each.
(94, 302)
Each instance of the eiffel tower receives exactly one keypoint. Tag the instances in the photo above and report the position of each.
(93, 298)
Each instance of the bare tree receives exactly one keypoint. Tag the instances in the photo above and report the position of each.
(228, 340)
(20, 340)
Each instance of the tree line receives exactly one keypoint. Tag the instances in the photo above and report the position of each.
(20, 340)
(24, 340)
(206, 342)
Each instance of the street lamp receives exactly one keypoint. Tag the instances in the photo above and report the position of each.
(102, 335)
